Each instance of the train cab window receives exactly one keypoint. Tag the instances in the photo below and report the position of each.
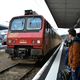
(33, 23)
(18, 24)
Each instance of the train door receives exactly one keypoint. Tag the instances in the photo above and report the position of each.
(47, 37)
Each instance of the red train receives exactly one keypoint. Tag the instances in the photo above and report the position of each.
(30, 36)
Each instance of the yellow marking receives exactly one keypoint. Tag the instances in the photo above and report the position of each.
(13, 35)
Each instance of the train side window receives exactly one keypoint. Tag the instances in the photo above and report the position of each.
(50, 31)
(47, 28)
(53, 33)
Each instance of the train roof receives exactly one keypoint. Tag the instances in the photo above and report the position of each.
(27, 16)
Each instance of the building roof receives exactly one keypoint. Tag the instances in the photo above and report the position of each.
(66, 13)
(2, 27)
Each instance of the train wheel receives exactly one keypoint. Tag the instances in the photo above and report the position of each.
(29, 52)
(12, 58)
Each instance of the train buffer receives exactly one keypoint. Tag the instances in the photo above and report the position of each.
(51, 68)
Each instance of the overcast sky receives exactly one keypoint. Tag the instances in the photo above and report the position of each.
(11, 8)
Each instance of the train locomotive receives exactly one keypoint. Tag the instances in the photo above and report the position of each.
(30, 36)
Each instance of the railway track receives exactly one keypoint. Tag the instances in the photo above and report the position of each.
(17, 72)
(12, 70)
(32, 74)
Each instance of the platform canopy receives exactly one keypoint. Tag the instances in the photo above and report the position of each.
(2, 27)
(65, 12)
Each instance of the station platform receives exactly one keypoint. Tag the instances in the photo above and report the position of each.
(3, 47)
(53, 68)
(62, 62)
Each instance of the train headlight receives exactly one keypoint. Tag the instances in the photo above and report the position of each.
(38, 41)
(9, 41)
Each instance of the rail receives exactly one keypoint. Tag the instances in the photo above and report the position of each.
(17, 72)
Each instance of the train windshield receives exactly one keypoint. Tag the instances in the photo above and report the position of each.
(26, 24)
(33, 23)
(18, 24)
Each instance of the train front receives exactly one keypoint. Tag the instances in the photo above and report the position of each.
(25, 37)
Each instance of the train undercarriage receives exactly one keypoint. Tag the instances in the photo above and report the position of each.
(20, 52)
